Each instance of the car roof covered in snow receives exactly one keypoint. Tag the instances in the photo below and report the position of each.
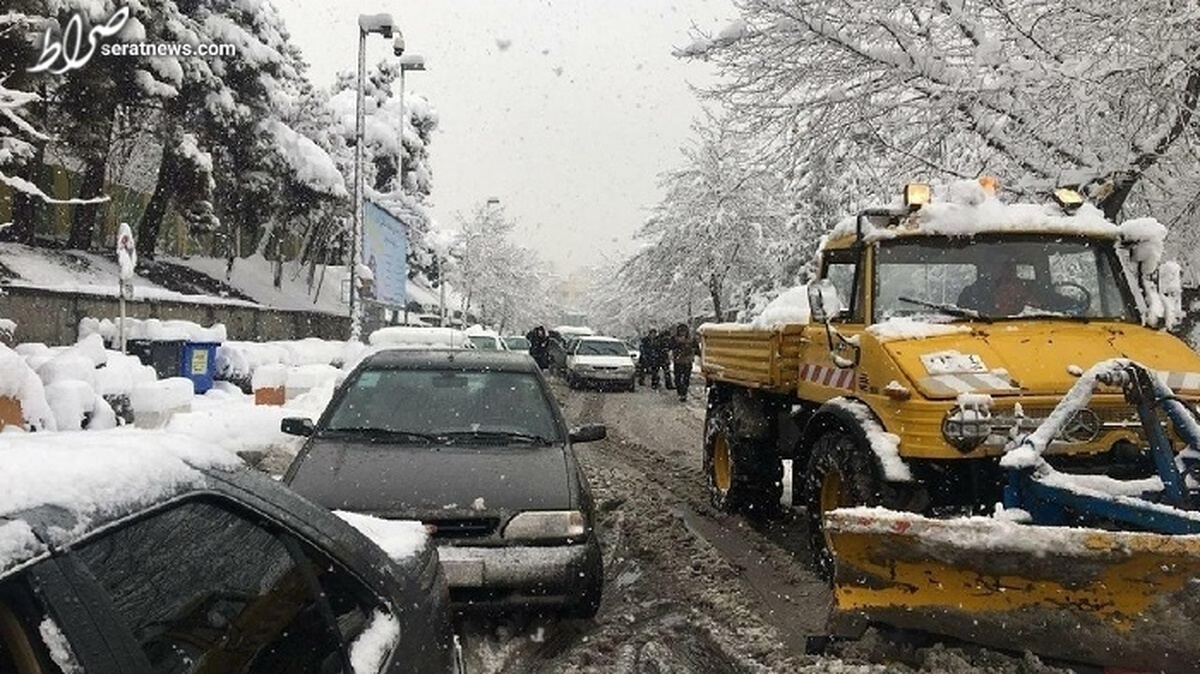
(63, 486)
(59, 488)
(436, 359)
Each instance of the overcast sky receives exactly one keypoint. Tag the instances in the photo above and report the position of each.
(566, 111)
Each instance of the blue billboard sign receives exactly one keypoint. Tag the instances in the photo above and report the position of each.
(385, 252)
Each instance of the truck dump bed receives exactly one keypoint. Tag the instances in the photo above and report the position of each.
(762, 358)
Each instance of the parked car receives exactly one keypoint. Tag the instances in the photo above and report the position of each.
(124, 555)
(517, 343)
(487, 340)
(473, 444)
(600, 361)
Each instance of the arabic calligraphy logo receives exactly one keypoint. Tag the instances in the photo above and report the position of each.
(69, 45)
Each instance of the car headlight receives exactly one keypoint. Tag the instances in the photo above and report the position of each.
(625, 368)
(581, 366)
(537, 525)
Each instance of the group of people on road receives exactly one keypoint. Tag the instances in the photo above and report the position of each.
(667, 352)
(670, 353)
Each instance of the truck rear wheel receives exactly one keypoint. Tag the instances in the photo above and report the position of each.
(743, 474)
(841, 473)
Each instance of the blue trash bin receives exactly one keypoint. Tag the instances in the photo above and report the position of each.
(199, 363)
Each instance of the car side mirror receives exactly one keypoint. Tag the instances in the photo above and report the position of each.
(823, 301)
(302, 426)
(588, 433)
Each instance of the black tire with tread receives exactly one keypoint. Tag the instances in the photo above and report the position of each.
(756, 469)
(837, 450)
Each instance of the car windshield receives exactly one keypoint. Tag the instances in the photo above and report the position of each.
(485, 342)
(517, 343)
(432, 405)
(590, 347)
(989, 278)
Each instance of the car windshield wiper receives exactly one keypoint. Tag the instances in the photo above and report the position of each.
(383, 434)
(948, 309)
(510, 436)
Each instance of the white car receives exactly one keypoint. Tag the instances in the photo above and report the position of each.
(486, 340)
(600, 360)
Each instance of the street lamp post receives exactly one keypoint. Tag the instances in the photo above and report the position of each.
(407, 62)
(381, 24)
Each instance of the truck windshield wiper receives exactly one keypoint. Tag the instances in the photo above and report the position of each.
(383, 434)
(948, 309)
(509, 436)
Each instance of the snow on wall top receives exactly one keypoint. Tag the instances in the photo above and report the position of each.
(964, 208)
(118, 470)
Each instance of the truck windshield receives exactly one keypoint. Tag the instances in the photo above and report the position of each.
(1000, 277)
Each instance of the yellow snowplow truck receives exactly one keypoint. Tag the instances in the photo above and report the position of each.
(954, 394)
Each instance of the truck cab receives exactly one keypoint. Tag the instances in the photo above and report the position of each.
(937, 333)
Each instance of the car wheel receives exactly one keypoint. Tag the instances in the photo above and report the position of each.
(743, 474)
(572, 382)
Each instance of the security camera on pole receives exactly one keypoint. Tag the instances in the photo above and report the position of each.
(127, 260)
(381, 24)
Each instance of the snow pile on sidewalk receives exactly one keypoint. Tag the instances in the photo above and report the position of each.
(19, 382)
(153, 330)
(238, 361)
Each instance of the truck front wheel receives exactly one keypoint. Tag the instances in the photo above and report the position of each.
(743, 474)
(841, 473)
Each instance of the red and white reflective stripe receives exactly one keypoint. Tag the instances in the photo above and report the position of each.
(827, 376)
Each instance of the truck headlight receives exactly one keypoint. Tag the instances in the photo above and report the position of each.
(966, 428)
(538, 525)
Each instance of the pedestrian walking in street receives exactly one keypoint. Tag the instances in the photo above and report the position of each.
(683, 354)
(649, 358)
(664, 361)
(539, 346)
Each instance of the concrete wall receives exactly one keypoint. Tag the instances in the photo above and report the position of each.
(52, 316)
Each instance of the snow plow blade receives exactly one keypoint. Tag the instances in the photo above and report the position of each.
(1106, 598)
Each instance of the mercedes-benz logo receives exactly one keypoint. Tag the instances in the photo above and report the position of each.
(1083, 426)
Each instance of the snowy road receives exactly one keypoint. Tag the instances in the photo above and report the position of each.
(688, 589)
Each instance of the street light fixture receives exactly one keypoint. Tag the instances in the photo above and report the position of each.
(380, 24)
(407, 62)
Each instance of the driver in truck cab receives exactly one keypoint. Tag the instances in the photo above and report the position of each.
(998, 289)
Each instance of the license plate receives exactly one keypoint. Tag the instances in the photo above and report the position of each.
(464, 573)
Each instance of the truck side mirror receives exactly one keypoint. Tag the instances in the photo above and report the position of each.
(823, 301)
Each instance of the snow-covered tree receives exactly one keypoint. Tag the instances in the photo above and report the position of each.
(388, 133)
(710, 237)
(504, 284)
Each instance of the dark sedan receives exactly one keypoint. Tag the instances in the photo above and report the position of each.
(473, 444)
(146, 555)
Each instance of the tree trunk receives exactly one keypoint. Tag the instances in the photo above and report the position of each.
(83, 221)
(156, 209)
(24, 208)
(714, 289)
